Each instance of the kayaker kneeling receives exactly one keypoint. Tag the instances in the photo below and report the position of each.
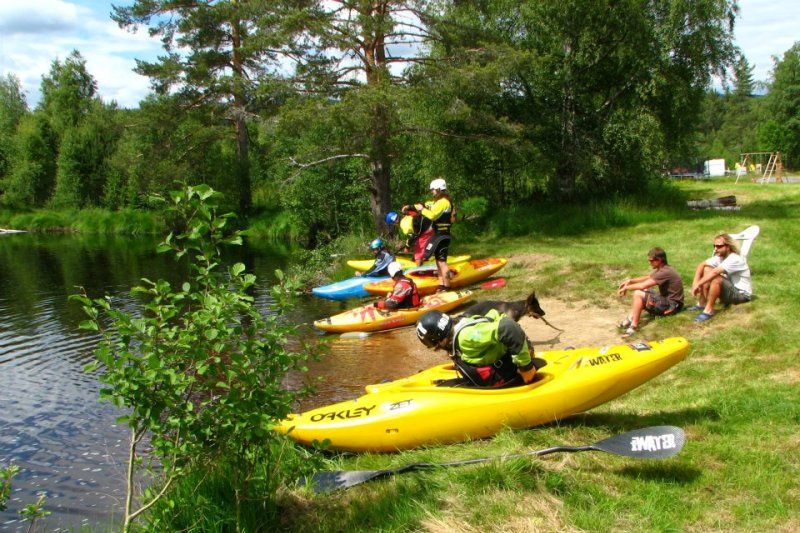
(488, 351)
(404, 295)
(382, 260)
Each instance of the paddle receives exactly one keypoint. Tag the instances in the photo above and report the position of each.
(655, 442)
(491, 284)
(494, 284)
(365, 334)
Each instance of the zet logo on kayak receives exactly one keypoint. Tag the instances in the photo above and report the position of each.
(358, 412)
(653, 443)
(405, 404)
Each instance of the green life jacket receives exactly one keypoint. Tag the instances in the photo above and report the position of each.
(475, 339)
(483, 340)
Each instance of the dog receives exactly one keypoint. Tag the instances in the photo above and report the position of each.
(514, 309)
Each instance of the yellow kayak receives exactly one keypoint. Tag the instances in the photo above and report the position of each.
(414, 411)
(427, 279)
(370, 318)
(365, 264)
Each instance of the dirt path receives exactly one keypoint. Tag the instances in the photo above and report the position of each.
(583, 325)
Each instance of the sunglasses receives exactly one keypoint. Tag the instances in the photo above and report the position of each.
(720, 245)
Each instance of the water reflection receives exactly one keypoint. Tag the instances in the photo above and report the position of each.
(66, 443)
(52, 426)
(351, 364)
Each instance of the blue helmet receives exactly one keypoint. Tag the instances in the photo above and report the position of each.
(376, 244)
(391, 218)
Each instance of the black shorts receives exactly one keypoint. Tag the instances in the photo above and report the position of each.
(437, 247)
(658, 305)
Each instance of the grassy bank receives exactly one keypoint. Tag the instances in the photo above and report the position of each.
(735, 395)
(102, 221)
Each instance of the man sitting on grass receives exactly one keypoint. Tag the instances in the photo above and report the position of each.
(667, 301)
(724, 276)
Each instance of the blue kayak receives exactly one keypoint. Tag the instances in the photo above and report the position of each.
(348, 288)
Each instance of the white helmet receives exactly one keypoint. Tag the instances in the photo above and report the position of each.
(393, 268)
(438, 183)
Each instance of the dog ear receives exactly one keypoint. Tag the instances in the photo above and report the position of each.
(532, 305)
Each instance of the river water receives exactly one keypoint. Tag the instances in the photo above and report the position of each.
(52, 426)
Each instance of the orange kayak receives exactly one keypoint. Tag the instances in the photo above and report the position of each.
(427, 279)
(370, 318)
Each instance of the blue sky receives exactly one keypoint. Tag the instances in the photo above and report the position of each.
(35, 32)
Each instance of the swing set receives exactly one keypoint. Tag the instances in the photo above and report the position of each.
(762, 166)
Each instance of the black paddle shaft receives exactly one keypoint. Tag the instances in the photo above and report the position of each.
(656, 442)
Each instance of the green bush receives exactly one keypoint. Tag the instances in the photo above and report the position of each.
(199, 369)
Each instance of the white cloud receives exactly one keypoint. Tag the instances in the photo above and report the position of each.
(41, 17)
(766, 28)
(33, 36)
(34, 33)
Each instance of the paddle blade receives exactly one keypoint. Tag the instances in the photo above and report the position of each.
(341, 479)
(494, 283)
(355, 335)
(655, 442)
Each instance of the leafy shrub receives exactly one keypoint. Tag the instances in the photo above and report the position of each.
(200, 369)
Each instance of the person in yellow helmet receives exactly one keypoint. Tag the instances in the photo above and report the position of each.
(417, 231)
(440, 214)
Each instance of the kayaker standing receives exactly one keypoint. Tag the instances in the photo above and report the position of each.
(404, 295)
(489, 351)
(440, 212)
(383, 258)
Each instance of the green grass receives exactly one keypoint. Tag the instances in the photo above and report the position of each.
(98, 221)
(736, 394)
(273, 226)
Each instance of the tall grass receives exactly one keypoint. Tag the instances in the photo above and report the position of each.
(273, 226)
(99, 221)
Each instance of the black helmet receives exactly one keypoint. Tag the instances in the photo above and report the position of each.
(433, 327)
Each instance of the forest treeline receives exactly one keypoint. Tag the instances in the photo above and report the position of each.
(319, 117)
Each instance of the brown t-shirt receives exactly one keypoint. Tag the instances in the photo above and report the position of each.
(669, 283)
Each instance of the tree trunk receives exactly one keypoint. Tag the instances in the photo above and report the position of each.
(376, 69)
(565, 164)
(380, 166)
(243, 166)
(239, 108)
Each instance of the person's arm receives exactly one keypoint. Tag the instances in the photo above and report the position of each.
(399, 293)
(704, 273)
(710, 274)
(640, 283)
(381, 262)
(514, 339)
(439, 206)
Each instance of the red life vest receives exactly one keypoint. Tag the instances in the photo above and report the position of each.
(404, 295)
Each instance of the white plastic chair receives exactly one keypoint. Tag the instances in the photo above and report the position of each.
(746, 239)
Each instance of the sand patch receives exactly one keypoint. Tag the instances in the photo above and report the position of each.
(584, 324)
